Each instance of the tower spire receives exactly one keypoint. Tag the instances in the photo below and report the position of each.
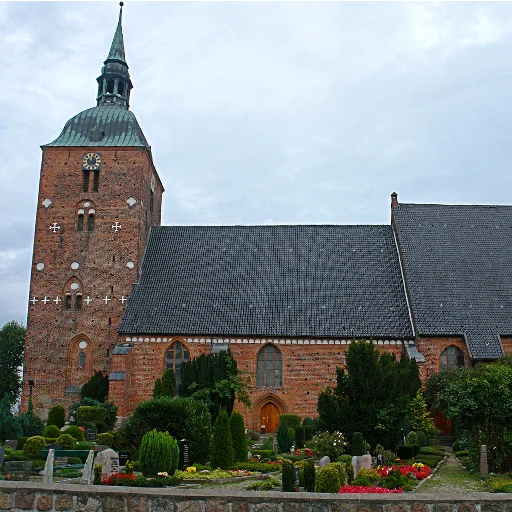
(114, 84)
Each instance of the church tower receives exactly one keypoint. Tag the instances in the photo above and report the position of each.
(99, 194)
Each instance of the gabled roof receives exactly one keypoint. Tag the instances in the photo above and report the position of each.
(312, 280)
(104, 125)
(458, 266)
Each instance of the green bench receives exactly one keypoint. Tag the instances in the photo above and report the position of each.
(65, 453)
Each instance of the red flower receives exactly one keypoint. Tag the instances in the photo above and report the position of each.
(115, 477)
(362, 489)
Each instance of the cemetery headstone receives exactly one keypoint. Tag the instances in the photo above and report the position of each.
(90, 435)
(356, 464)
(380, 460)
(61, 461)
(484, 466)
(48, 467)
(123, 458)
(109, 460)
(2, 453)
(184, 454)
(322, 463)
(11, 443)
(87, 474)
(366, 461)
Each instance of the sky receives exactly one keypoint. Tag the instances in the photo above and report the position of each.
(266, 112)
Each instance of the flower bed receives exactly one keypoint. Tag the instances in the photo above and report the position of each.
(363, 489)
(217, 474)
(418, 470)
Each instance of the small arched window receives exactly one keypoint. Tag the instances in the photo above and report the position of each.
(78, 302)
(90, 221)
(67, 301)
(81, 359)
(269, 371)
(177, 354)
(80, 221)
(110, 86)
(120, 88)
(452, 358)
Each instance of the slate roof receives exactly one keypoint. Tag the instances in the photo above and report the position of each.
(458, 265)
(104, 125)
(315, 280)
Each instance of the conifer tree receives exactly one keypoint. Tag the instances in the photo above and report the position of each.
(96, 387)
(157, 389)
(237, 427)
(284, 443)
(222, 446)
(420, 419)
(168, 382)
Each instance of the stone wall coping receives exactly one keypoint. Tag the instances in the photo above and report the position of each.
(183, 494)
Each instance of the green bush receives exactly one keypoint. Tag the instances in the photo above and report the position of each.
(74, 460)
(412, 438)
(237, 427)
(328, 480)
(96, 387)
(289, 420)
(181, 417)
(357, 444)
(395, 480)
(264, 454)
(406, 451)
(21, 442)
(308, 432)
(284, 443)
(422, 439)
(106, 439)
(30, 424)
(14, 455)
(253, 435)
(76, 432)
(91, 413)
(341, 468)
(159, 452)
(57, 416)
(51, 431)
(262, 467)
(307, 421)
(84, 445)
(325, 443)
(268, 444)
(457, 445)
(222, 446)
(349, 469)
(67, 441)
(309, 476)
(299, 437)
(288, 477)
(32, 447)
(51, 440)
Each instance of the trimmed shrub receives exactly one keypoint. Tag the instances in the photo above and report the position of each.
(22, 441)
(237, 427)
(51, 440)
(299, 437)
(341, 469)
(222, 446)
(91, 413)
(32, 447)
(284, 443)
(76, 432)
(357, 444)
(253, 435)
(309, 476)
(106, 439)
(67, 441)
(159, 452)
(291, 434)
(57, 416)
(308, 432)
(328, 480)
(96, 387)
(412, 438)
(51, 431)
(349, 469)
(181, 417)
(408, 451)
(288, 477)
(422, 439)
(30, 424)
(307, 421)
(289, 420)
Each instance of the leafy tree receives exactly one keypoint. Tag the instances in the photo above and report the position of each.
(9, 427)
(420, 419)
(29, 423)
(96, 387)
(110, 407)
(222, 446)
(479, 401)
(215, 380)
(12, 338)
(237, 427)
(372, 395)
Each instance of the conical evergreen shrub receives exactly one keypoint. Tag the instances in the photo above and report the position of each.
(309, 476)
(159, 452)
(284, 443)
(299, 437)
(222, 445)
(57, 416)
(288, 477)
(237, 427)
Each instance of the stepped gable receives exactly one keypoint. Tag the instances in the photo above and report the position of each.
(458, 266)
(316, 280)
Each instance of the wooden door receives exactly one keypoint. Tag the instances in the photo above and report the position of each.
(441, 422)
(269, 417)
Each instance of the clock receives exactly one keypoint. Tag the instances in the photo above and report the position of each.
(91, 161)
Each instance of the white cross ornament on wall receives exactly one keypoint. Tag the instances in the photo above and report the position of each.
(88, 300)
(107, 299)
(123, 299)
(54, 228)
(45, 300)
(33, 300)
(57, 300)
(116, 226)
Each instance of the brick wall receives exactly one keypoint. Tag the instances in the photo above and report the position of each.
(54, 333)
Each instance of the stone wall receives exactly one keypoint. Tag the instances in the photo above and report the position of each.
(59, 497)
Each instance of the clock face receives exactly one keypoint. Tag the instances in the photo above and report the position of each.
(91, 161)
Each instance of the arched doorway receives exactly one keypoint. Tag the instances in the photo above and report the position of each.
(269, 416)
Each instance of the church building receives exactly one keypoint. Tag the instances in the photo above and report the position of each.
(113, 290)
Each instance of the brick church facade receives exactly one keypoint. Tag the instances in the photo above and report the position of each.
(112, 290)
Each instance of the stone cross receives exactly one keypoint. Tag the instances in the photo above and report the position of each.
(107, 299)
(54, 228)
(116, 226)
(48, 468)
(88, 469)
(123, 299)
(88, 300)
(57, 300)
(109, 461)
(34, 300)
(45, 300)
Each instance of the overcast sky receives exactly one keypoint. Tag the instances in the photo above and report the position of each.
(262, 113)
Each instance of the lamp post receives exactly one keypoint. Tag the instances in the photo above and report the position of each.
(30, 385)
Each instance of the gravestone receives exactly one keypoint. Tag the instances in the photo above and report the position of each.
(356, 464)
(322, 463)
(11, 443)
(123, 458)
(2, 452)
(54, 447)
(48, 467)
(61, 461)
(109, 460)
(87, 474)
(380, 459)
(484, 466)
(184, 454)
(366, 461)
(90, 435)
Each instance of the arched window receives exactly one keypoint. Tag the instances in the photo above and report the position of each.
(177, 354)
(110, 86)
(270, 367)
(452, 358)
(78, 302)
(120, 88)
(81, 359)
(80, 221)
(67, 301)
(90, 220)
